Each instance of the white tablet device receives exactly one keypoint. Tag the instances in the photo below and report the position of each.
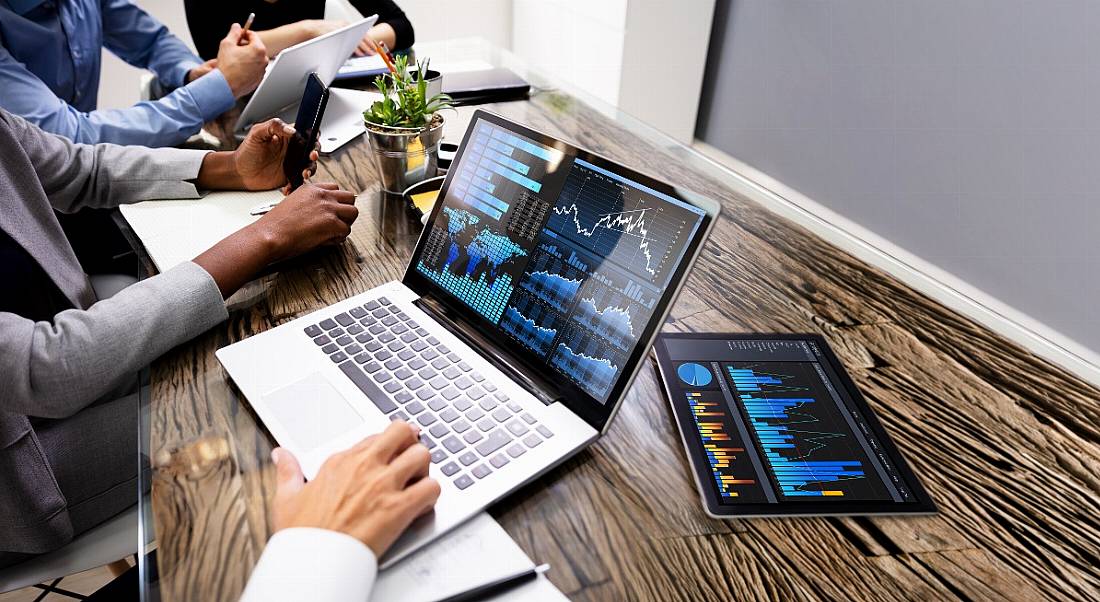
(281, 89)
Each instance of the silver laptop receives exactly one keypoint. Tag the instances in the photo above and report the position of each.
(280, 91)
(533, 295)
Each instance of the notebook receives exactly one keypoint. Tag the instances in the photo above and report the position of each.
(473, 554)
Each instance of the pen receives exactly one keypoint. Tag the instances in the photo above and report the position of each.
(386, 50)
(380, 51)
(500, 585)
(263, 209)
(248, 23)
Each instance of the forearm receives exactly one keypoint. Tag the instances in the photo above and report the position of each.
(383, 32)
(54, 369)
(238, 257)
(219, 172)
(280, 38)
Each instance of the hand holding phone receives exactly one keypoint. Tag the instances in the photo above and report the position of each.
(307, 128)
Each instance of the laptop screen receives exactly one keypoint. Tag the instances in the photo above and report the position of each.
(564, 255)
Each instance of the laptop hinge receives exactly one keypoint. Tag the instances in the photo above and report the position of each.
(489, 350)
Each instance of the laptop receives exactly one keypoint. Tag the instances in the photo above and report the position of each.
(280, 91)
(485, 86)
(541, 278)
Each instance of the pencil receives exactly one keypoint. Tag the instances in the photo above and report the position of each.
(244, 30)
(380, 51)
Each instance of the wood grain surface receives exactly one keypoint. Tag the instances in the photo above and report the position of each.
(1007, 444)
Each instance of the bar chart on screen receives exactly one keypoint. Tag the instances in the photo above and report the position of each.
(500, 169)
(733, 474)
(805, 441)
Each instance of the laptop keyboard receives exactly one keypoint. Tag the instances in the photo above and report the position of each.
(471, 428)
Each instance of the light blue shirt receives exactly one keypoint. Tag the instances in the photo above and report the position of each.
(50, 53)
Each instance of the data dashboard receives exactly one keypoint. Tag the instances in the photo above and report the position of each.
(567, 259)
(773, 427)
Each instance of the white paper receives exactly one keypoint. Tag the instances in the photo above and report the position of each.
(177, 231)
(357, 64)
(343, 120)
(476, 553)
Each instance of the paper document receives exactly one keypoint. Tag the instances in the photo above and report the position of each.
(362, 66)
(343, 120)
(177, 231)
(472, 555)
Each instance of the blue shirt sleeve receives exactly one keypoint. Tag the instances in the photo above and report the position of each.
(142, 41)
(165, 122)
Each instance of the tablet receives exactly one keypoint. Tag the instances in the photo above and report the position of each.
(773, 426)
(281, 88)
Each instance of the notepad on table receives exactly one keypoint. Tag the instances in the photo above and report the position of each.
(473, 554)
(176, 231)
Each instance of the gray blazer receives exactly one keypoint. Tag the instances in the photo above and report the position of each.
(54, 369)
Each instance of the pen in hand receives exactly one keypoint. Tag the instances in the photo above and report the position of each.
(245, 29)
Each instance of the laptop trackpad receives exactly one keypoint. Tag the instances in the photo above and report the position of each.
(312, 411)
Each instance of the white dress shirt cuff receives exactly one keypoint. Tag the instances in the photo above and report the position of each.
(312, 564)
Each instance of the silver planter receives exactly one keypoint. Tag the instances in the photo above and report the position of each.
(404, 156)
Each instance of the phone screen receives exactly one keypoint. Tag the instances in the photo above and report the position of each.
(307, 128)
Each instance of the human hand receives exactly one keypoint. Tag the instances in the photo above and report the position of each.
(242, 59)
(311, 216)
(259, 159)
(366, 47)
(372, 491)
(202, 70)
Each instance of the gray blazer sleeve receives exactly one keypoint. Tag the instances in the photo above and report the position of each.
(56, 369)
(105, 175)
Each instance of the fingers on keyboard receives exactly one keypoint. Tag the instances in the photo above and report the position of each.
(473, 429)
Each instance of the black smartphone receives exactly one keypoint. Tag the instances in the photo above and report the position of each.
(307, 128)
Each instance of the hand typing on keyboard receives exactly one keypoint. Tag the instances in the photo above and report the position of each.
(474, 429)
(372, 491)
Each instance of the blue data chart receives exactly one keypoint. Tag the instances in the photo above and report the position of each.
(621, 221)
(553, 278)
(806, 442)
(500, 169)
(614, 323)
(471, 262)
(592, 373)
(694, 375)
(527, 330)
(566, 261)
(553, 288)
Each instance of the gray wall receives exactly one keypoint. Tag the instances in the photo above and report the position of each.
(964, 131)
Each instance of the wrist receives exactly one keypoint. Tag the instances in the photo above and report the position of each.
(219, 172)
(268, 240)
(234, 85)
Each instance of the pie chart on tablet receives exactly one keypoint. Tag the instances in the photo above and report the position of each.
(694, 375)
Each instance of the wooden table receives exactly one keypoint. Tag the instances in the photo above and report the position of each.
(1008, 444)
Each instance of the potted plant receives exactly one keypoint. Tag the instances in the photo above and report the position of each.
(405, 127)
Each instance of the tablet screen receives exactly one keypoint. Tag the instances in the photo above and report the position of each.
(773, 428)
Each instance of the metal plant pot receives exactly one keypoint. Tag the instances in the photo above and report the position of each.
(404, 156)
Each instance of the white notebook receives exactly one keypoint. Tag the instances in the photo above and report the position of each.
(177, 231)
(476, 553)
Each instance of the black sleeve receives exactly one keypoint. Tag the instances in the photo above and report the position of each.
(389, 12)
(207, 21)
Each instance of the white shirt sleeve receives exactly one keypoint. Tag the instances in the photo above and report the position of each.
(312, 564)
